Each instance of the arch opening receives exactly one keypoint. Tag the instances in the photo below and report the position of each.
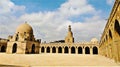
(117, 26)
(79, 50)
(14, 49)
(110, 34)
(33, 49)
(42, 50)
(95, 50)
(60, 50)
(87, 50)
(3, 49)
(73, 50)
(48, 50)
(53, 50)
(66, 50)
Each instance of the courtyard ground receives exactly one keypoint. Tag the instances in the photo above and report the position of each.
(54, 60)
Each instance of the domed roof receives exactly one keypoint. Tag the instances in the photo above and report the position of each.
(24, 28)
(94, 40)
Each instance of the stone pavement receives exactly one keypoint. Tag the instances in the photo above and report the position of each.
(55, 60)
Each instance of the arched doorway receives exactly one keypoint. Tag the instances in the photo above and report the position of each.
(33, 49)
(95, 50)
(117, 27)
(14, 48)
(66, 50)
(3, 49)
(79, 50)
(87, 50)
(110, 34)
(42, 50)
(48, 50)
(72, 50)
(53, 50)
(60, 50)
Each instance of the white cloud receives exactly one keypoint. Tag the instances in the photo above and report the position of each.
(6, 7)
(8, 20)
(110, 2)
(52, 25)
(77, 7)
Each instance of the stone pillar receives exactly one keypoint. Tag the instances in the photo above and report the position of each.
(69, 49)
(50, 49)
(76, 50)
(83, 50)
(56, 49)
(91, 51)
(40, 50)
(63, 50)
(45, 50)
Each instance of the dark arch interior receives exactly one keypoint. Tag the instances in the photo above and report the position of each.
(48, 49)
(117, 27)
(110, 33)
(95, 50)
(66, 50)
(79, 50)
(73, 50)
(42, 50)
(3, 49)
(60, 50)
(14, 49)
(87, 50)
(33, 49)
(53, 50)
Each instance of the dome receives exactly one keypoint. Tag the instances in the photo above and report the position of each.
(24, 28)
(94, 40)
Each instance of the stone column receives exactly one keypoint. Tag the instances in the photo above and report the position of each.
(40, 50)
(83, 50)
(45, 50)
(76, 50)
(50, 49)
(91, 51)
(69, 49)
(63, 50)
(56, 49)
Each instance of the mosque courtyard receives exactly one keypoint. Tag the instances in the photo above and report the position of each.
(36, 60)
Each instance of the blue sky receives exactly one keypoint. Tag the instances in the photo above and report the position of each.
(51, 5)
(87, 17)
(39, 5)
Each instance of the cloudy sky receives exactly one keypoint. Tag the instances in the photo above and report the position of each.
(50, 18)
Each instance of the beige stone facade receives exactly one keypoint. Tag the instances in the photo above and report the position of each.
(23, 41)
(110, 40)
(69, 47)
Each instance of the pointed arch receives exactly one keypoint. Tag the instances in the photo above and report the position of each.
(73, 50)
(59, 49)
(42, 50)
(95, 50)
(14, 48)
(3, 49)
(87, 50)
(53, 50)
(33, 49)
(79, 50)
(117, 27)
(66, 50)
(110, 34)
(48, 49)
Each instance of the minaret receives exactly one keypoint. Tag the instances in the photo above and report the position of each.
(69, 38)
